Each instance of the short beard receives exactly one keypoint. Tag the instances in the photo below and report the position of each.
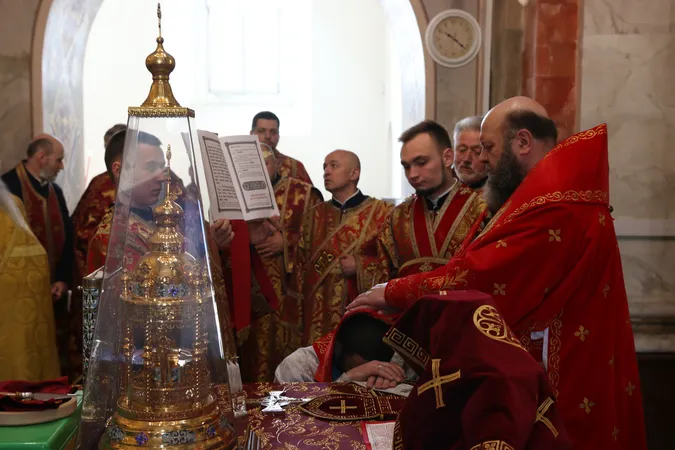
(428, 192)
(506, 178)
(46, 176)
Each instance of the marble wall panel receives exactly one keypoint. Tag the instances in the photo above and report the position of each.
(16, 32)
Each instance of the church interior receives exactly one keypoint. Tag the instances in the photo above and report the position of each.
(345, 83)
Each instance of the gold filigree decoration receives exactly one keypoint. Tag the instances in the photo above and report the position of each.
(630, 388)
(615, 433)
(493, 445)
(426, 267)
(488, 321)
(407, 348)
(437, 381)
(567, 196)
(586, 405)
(582, 136)
(148, 111)
(554, 235)
(541, 416)
(500, 289)
(581, 333)
(501, 244)
(605, 290)
(601, 219)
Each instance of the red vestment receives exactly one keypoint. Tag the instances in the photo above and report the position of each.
(551, 260)
(291, 167)
(91, 208)
(275, 316)
(329, 232)
(415, 239)
(478, 388)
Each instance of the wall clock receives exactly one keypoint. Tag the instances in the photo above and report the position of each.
(453, 38)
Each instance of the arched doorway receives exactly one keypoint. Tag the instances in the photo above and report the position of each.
(59, 48)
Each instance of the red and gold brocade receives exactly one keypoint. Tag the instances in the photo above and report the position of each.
(550, 259)
(90, 210)
(276, 312)
(328, 234)
(415, 239)
(291, 167)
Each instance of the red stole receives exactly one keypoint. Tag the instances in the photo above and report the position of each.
(44, 217)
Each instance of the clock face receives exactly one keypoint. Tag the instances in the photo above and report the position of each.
(454, 37)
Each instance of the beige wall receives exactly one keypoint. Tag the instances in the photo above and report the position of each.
(628, 57)
(16, 32)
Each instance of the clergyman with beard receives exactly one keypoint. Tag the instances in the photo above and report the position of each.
(549, 257)
(426, 230)
(466, 157)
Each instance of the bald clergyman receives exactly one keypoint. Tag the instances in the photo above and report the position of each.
(333, 254)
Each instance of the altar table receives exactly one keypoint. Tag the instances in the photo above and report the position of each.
(295, 429)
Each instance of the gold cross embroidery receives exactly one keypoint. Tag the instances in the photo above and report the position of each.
(426, 267)
(601, 218)
(554, 235)
(615, 433)
(587, 405)
(582, 333)
(437, 381)
(500, 289)
(541, 411)
(605, 290)
(501, 244)
(630, 388)
(343, 407)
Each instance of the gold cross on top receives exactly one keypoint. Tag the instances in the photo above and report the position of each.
(343, 407)
(437, 381)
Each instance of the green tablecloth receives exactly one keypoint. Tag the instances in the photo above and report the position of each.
(57, 435)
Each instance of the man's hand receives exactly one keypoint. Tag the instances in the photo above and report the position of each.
(272, 246)
(222, 233)
(374, 299)
(348, 263)
(58, 289)
(386, 374)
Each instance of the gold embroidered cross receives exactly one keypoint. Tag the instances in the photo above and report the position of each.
(501, 243)
(587, 405)
(426, 267)
(582, 333)
(343, 407)
(615, 433)
(437, 381)
(500, 289)
(541, 411)
(601, 218)
(554, 235)
(605, 290)
(630, 388)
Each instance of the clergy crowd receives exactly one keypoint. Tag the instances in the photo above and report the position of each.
(499, 281)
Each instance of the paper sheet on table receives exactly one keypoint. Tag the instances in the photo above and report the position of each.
(402, 389)
(378, 435)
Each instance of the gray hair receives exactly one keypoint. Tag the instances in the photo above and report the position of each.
(471, 123)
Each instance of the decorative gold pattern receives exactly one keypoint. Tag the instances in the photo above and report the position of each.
(605, 290)
(582, 333)
(160, 112)
(630, 388)
(611, 360)
(601, 219)
(587, 405)
(501, 243)
(567, 196)
(493, 445)
(407, 348)
(488, 321)
(615, 433)
(500, 289)
(437, 381)
(426, 267)
(541, 416)
(554, 235)
(343, 407)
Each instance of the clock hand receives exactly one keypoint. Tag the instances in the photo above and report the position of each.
(454, 39)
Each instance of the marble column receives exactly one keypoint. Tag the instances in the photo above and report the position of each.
(550, 59)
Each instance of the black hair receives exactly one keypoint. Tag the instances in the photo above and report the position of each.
(265, 115)
(362, 334)
(542, 128)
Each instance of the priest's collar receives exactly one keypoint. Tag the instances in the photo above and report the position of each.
(434, 204)
(355, 200)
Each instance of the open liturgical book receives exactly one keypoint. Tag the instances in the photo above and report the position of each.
(236, 177)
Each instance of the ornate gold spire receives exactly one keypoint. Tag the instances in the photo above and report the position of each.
(160, 101)
(167, 215)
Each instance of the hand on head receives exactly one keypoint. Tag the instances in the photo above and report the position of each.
(372, 299)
